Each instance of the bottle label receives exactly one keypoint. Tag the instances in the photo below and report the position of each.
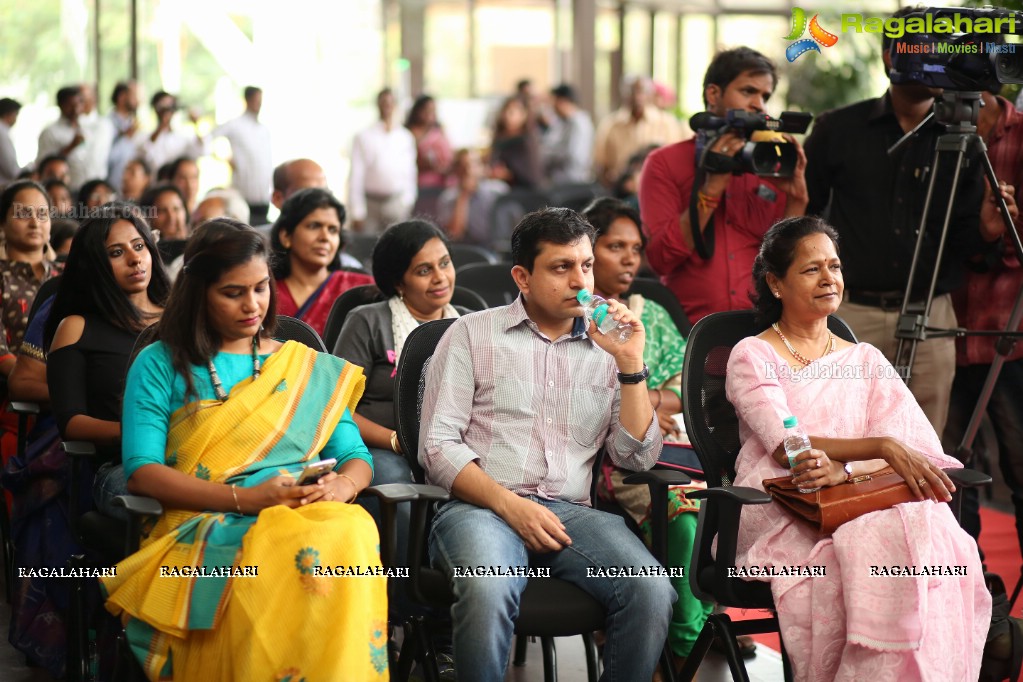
(599, 313)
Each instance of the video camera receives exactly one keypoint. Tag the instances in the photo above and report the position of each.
(768, 159)
(956, 48)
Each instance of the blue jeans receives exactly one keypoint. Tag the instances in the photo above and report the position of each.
(1006, 412)
(389, 467)
(109, 483)
(484, 613)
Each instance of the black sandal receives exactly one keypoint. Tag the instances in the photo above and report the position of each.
(1003, 653)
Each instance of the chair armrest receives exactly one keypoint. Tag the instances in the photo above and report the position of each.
(658, 481)
(79, 448)
(22, 407)
(138, 505)
(658, 477)
(733, 494)
(968, 478)
(391, 493)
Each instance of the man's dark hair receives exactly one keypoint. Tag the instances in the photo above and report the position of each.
(66, 93)
(174, 166)
(730, 64)
(62, 229)
(553, 225)
(384, 91)
(523, 84)
(89, 187)
(886, 42)
(160, 94)
(119, 89)
(395, 249)
(565, 91)
(251, 91)
(9, 106)
(47, 160)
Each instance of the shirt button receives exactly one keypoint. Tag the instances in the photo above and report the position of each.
(549, 420)
(732, 292)
(550, 383)
(731, 256)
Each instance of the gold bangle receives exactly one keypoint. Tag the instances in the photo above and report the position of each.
(354, 485)
(234, 494)
(395, 446)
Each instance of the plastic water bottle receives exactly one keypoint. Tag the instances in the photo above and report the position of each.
(796, 443)
(595, 308)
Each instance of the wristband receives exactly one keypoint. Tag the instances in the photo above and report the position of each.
(634, 378)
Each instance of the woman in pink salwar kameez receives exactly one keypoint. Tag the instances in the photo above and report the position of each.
(856, 621)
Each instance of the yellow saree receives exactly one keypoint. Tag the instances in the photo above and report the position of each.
(265, 613)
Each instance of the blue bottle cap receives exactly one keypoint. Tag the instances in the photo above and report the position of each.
(790, 422)
(583, 296)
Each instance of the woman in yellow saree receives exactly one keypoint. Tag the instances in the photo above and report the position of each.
(238, 579)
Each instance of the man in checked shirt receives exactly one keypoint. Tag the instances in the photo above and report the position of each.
(519, 399)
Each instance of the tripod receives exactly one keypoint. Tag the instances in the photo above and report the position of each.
(959, 111)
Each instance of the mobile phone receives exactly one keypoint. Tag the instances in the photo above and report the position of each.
(315, 471)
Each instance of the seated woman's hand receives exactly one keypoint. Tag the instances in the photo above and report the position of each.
(279, 490)
(813, 468)
(925, 480)
(330, 488)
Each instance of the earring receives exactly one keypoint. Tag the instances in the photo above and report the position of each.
(777, 295)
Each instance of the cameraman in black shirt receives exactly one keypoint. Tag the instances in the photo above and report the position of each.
(875, 201)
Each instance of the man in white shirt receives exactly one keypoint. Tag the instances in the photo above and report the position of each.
(123, 126)
(64, 136)
(164, 144)
(9, 168)
(382, 185)
(567, 149)
(98, 135)
(251, 164)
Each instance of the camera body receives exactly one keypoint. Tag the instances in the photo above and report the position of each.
(957, 48)
(767, 159)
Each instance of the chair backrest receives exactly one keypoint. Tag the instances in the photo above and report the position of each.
(465, 254)
(409, 384)
(575, 196)
(360, 246)
(653, 290)
(46, 289)
(508, 210)
(291, 329)
(467, 298)
(711, 422)
(493, 282)
(344, 304)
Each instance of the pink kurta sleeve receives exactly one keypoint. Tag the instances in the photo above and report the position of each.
(756, 393)
(893, 411)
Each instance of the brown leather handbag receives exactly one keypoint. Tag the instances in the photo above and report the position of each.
(830, 507)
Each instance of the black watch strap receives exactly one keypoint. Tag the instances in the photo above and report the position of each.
(634, 378)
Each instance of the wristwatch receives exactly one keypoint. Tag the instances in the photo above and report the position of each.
(848, 471)
(634, 378)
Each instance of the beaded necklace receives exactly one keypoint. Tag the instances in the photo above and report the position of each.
(218, 388)
(829, 348)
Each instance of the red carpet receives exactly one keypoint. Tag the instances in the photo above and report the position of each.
(1001, 554)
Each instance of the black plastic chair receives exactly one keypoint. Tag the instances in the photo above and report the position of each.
(293, 329)
(360, 245)
(493, 282)
(508, 210)
(549, 607)
(653, 290)
(575, 196)
(466, 254)
(713, 428)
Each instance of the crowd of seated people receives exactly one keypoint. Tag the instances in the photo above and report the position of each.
(195, 420)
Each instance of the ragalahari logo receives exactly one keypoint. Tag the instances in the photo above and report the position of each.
(818, 35)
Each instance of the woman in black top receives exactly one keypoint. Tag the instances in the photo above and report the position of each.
(114, 285)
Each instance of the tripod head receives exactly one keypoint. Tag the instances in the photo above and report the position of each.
(958, 110)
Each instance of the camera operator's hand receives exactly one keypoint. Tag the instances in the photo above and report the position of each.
(991, 224)
(796, 194)
(728, 144)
